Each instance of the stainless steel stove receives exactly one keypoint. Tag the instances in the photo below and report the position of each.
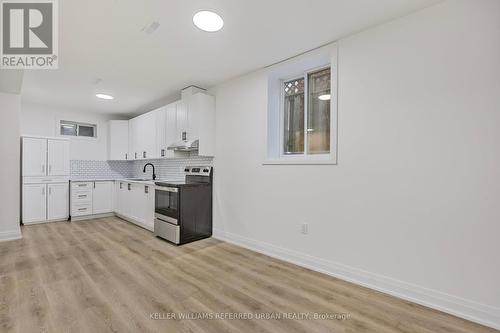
(183, 209)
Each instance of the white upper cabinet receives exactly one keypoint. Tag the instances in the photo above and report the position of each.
(182, 119)
(166, 127)
(34, 157)
(118, 140)
(58, 157)
(142, 137)
(45, 157)
(132, 139)
(201, 122)
(58, 201)
(148, 135)
(192, 118)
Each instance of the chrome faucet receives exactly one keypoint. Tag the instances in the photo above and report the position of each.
(144, 170)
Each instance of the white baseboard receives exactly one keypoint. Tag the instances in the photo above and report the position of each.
(134, 221)
(91, 217)
(45, 221)
(10, 235)
(470, 310)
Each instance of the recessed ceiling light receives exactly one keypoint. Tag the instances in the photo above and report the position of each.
(208, 21)
(325, 97)
(104, 96)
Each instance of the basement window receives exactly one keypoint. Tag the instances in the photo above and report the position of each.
(306, 114)
(71, 128)
(302, 110)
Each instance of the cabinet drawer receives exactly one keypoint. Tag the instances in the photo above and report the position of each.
(82, 186)
(81, 196)
(81, 209)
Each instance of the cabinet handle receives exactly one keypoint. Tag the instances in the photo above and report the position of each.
(162, 153)
(82, 196)
(146, 189)
(126, 156)
(82, 185)
(82, 209)
(184, 136)
(94, 184)
(135, 155)
(121, 186)
(143, 154)
(128, 186)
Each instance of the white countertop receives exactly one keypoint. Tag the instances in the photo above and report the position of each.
(128, 180)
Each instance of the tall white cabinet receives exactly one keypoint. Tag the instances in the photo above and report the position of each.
(45, 172)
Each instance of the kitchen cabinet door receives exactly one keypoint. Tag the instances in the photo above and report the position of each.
(58, 201)
(201, 122)
(118, 140)
(148, 135)
(34, 157)
(34, 203)
(161, 127)
(58, 157)
(124, 199)
(171, 127)
(149, 206)
(134, 201)
(182, 110)
(166, 125)
(133, 139)
(102, 197)
(117, 198)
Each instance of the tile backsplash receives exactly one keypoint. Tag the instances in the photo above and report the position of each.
(84, 169)
(171, 169)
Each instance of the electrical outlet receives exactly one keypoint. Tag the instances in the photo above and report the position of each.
(305, 228)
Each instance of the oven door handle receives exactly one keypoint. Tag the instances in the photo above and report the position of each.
(167, 189)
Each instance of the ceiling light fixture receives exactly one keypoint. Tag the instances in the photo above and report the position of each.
(104, 96)
(325, 97)
(208, 21)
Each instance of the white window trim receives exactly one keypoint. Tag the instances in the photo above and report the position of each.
(301, 67)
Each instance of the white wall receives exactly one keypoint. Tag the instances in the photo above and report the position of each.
(412, 206)
(10, 106)
(44, 121)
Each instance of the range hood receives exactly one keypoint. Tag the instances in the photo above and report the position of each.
(184, 145)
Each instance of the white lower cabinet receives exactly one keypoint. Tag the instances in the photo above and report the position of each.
(135, 203)
(57, 201)
(102, 197)
(45, 202)
(91, 198)
(34, 203)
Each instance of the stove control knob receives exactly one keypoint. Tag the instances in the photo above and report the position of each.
(186, 170)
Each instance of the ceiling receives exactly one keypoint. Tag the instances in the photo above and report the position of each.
(102, 46)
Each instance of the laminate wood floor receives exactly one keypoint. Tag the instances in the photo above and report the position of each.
(107, 275)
